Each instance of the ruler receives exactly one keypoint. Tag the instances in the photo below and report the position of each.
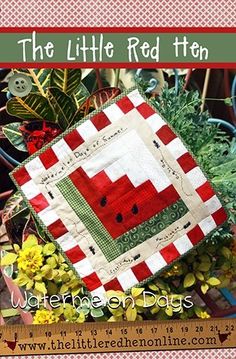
(117, 337)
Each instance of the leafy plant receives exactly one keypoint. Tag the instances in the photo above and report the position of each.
(57, 96)
(66, 80)
(42, 269)
(14, 135)
(211, 146)
(14, 206)
(33, 106)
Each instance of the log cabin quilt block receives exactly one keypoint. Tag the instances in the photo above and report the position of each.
(120, 194)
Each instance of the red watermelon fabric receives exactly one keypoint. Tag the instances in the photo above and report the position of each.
(120, 195)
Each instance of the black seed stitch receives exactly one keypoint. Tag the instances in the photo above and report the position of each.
(103, 201)
(156, 144)
(51, 195)
(134, 209)
(187, 225)
(119, 217)
(91, 248)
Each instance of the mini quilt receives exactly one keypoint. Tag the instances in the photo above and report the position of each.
(120, 194)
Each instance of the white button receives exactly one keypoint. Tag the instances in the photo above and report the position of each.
(20, 85)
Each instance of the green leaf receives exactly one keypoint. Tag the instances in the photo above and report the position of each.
(64, 289)
(205, 258)
(64, 107)
(21, 280)
(198, 310)
(75, 291)
(14, 206)
(33, 106)
(131, 313)
(29, 284)
(226, 266)
(52, 262)
(213, 281)
(49, 249)
(85, 308)
(189, 280)
(135, 292)
(69, 312)
(52, 288)
(204, 267)
(8, 271)
(153, 287)
(96, 312)
(46, 270)
(115, 319)
(30, 242)
(40, 287)
(161, 284)
(11, 312)
(14, 135)
(97, 99)
(39, 77)
(81, 318)
(224, 282)
(67, 80)
(204, 288)
(8, 259)
(199, 276)
(116, 312)
(169, 311)
(139, 302)
(81, 95)
(16, 248)
(226, 252)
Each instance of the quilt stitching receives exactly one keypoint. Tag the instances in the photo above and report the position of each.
(40, 199)
(88, 217)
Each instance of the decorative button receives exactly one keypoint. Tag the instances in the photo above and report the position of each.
(20, 85)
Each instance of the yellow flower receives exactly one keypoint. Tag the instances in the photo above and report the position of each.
(30, 259)
(175, 270)
(204, 315)
(45, 316)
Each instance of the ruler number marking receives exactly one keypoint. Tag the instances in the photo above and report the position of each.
(199, 329)
(109, 332)
(229, 328)
(205, 334)
(184, 329)
(169, 330)
(139, 330)
(213, 328)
